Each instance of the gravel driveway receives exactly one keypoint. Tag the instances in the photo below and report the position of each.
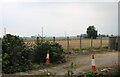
(83, 62)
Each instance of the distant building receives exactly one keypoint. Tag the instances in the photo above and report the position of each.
(33, 36)
(83, 35)
(26, 37)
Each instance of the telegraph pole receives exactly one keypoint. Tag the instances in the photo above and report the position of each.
(42, 32)
(42, 35)
(4, 31)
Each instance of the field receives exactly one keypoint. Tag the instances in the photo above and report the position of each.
(74, 43)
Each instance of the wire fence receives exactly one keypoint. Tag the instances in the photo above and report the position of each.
(83, 43)
(76, 43)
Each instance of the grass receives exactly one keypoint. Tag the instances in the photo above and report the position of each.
(103, 71)
(89, 72)
(42, 66)
(46, 74)
(76, 66)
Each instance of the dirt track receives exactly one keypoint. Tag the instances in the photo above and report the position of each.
(82, 62)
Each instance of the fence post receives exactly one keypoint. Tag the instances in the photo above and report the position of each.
(68, 43)
(41, 39)
(54, 39)
(91, 44)
(109, 43)
(118, 43)
(80, 43)
(101, 42)
(37, 40)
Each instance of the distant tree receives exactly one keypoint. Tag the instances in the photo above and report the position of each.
(15, 55)
(107, 35)
(91, 32)
(112, 35)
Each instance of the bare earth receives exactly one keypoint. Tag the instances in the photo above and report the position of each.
(86, 43)
(83, 62)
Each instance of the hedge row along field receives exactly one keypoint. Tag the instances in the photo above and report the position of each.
(19, 57)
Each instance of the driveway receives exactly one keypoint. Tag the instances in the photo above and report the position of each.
(82, 62)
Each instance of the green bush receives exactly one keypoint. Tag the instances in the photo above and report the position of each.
(89, 72)
(15, 55)
(55, 51)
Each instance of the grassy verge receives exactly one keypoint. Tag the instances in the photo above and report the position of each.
(102, 72)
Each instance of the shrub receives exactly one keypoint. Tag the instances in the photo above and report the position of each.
(15, 55)
(55, 51)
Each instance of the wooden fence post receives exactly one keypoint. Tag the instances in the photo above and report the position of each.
(68, 43)
(101, 42)
(118, 43)
(37, 40)
(54, 39)
(80, 43)
(91, 44)
(109, 44)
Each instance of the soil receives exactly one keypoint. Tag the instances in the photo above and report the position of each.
(82, 62)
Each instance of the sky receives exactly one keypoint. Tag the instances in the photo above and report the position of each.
(27, 17)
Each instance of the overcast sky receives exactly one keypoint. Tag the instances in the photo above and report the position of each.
(27, 18)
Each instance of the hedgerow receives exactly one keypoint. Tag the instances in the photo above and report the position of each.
(16, 55)
(55, 51)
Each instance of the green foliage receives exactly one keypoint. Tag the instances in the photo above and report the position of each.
(0, 46)
(15, 55)
(89, 72)
(117, 71)
(46, 74)
(70, 69)
(75, 49)
(55, 51)
(91, 32)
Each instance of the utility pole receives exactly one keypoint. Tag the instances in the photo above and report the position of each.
(42, 32)
(4, 31)
(42, 35)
